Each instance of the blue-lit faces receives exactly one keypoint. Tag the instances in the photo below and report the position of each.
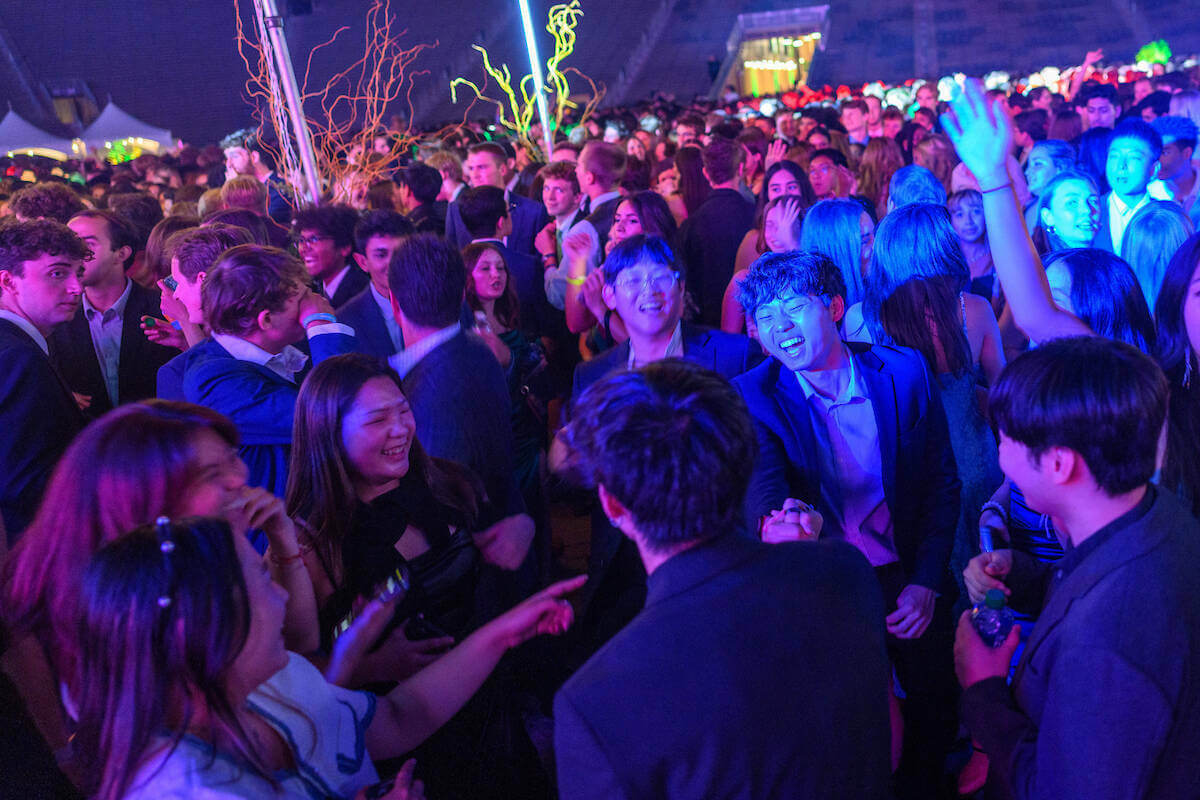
(967, 218)
(1039, 169)
(1130, 166)
(1073, 213)
(799, 331)
(649, 298)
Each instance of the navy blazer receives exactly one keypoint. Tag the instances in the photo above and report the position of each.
(74, 354)
(1103, 239)
(38, 419)
(459, 397)
(920, 476)
(754, 671)
(1105, 701)
(260, 403)
(528, 219)
(362, 313)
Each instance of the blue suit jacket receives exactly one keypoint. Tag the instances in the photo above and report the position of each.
(920, 477)
(459, 397)
(260, 403)
(528, 218)
(754, 671)
(362, 313)
(38, 419)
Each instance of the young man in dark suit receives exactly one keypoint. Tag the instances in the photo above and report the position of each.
(41, 262)
(754, 670)
(325, 240)
(455, 385)
(1105, 701)
(487, 165)
(710, 237)
(258, 305)
(643, 283)
(376, 239)
(102, 352)
(859, 433)
(1132, 163)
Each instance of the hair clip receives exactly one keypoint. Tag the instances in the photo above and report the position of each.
(166, 546)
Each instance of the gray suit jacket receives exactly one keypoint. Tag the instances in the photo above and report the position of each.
(1106, 699)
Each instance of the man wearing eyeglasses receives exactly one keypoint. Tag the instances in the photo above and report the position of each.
(643, 284)
(325, 240)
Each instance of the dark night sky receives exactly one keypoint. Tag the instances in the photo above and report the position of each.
(173, 62)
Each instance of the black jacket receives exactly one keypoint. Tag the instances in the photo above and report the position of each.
(38, 419)
(74, 354)
(754, 671)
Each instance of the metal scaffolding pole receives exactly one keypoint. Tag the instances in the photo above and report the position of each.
(276, 43)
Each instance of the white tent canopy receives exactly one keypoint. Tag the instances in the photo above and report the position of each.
(18, 135)
(113, 124)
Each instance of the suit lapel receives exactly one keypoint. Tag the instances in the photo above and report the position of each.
(86, 366)
(697, 347)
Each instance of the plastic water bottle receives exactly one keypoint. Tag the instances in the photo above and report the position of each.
(992, 618)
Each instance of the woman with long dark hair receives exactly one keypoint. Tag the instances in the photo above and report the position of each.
(692, 188)
(187, 689)
(372, 502)
(1177, 314)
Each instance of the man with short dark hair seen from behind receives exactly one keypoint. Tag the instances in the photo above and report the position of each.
(734, 679)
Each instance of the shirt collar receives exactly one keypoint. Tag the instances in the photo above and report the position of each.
(604, 198)
(404, 361)
(384, 303)
(854, 388)
(1075, 555)
(118, 307)
(28, 327)
(1121, 208)
(674, 347)
(331, 285)
(286, 363)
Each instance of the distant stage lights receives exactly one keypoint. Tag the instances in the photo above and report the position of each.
(770, 64)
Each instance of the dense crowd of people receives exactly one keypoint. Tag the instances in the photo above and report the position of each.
(280, 485)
